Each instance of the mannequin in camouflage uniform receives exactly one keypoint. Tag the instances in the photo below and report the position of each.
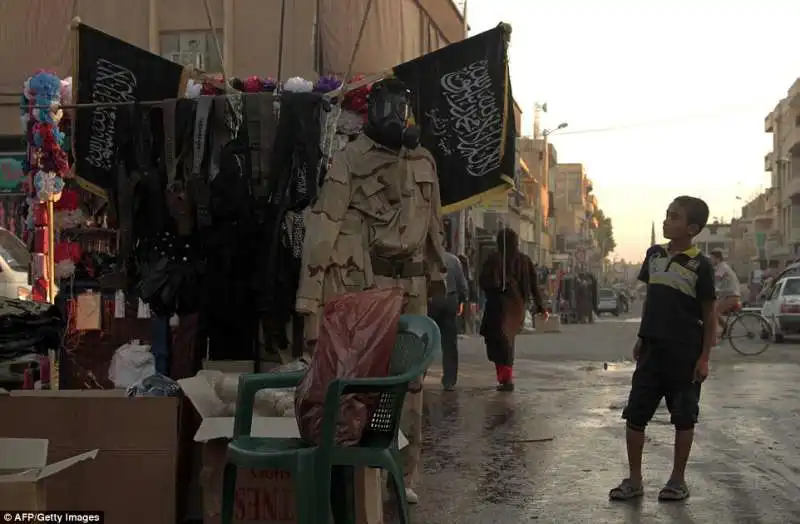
(377, 222)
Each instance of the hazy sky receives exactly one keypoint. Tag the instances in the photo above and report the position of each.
(685, 85)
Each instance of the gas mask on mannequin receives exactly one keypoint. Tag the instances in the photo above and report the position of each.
(387, 115)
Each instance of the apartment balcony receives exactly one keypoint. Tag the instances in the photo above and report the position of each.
(773, 199)
(769, 123)
(768, 162)
(793, 141)
(763, 220)
(794, 94)
(792, 189)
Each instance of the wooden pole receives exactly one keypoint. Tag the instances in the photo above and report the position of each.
(217, 45)
(356, 47)
(51, 254)
(73, 121)
(280, 43)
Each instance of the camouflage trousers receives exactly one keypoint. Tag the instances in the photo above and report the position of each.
(411, 426)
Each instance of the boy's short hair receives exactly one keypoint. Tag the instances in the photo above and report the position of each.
(696, 210)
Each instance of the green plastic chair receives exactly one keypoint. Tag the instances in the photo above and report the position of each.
(418, 343)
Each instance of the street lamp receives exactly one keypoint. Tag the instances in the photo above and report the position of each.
(548, 132)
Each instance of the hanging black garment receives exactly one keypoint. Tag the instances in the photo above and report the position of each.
(170, 264)
(172, 274)
(293, 186)
(262, 123)
(230, 315)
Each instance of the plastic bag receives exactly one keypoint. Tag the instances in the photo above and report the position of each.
(268, 403)
(156, 385)
(131, 363)
(356, 340)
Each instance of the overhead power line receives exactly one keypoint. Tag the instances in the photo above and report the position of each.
(718, 112)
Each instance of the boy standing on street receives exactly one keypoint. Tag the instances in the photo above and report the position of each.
(677, 332)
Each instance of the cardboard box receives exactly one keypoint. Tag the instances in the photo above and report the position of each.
(23, 470)
(133, 478)
(553, 324)
(262, 497)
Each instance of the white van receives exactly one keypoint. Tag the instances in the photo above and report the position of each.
(15, 261)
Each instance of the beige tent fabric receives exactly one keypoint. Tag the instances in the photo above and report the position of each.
(259, 56)
(433, 38)
(411, 30)
(381, 46)
(446, 18)
(257, 17)
(187, 15)
(35, 34)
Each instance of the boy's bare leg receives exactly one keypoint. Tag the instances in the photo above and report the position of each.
(635, 443)
(631, 487)
(683, 447)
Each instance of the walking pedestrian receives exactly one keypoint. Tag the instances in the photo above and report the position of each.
(508, 280)
(465, 326)
(444, 311)
(677, 332)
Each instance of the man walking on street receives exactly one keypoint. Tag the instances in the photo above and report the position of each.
(444, 311)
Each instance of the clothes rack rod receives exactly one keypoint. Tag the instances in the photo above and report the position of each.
(91, 105)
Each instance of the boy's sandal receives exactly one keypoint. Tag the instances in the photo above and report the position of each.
(626, 491)
(673, 491)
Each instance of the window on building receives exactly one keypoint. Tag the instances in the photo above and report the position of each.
(797, 121)
(192, 48)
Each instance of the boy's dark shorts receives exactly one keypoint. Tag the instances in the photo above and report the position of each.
(665, 369)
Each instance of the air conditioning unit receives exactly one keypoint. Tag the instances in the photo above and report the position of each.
(193, 59)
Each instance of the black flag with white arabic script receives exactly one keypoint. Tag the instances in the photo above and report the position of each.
(110, 70)
(462, 102)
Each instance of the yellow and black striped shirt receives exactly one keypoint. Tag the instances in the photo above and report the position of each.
(677, 286)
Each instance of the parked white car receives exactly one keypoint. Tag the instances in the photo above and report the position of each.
(608, 302)
(782, 308)
(15, 261)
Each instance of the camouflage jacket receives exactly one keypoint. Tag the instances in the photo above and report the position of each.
(373, 203)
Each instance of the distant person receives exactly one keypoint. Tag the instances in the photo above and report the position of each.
(466, 319)
(676, 334)
(727, 286)
(508, 280)
(444, 311)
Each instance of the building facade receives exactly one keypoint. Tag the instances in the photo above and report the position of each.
(767, 236)
(574, 207)
(715, 235)
(317, 37)
(538, 189)
(783, 163)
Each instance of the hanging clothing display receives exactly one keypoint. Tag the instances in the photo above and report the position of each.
(296, 165)
(377, 220)
(229, 315)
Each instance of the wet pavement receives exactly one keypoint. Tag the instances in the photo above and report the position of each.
(551, 451)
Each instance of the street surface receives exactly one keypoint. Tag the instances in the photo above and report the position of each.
(552, 450)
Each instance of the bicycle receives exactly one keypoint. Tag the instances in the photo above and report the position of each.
(738, 318)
